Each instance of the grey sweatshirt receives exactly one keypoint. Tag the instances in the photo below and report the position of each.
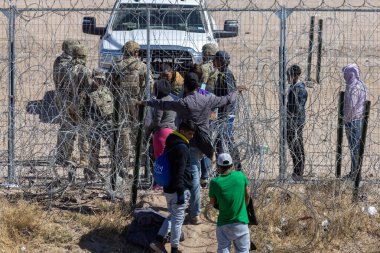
(164, 119)
(195, 106)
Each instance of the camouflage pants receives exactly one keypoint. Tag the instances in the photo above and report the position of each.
(99, 130)
(125, 134)
(71, 126)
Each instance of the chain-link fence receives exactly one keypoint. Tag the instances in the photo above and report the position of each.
(270, 39)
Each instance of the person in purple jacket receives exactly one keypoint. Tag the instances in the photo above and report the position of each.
(354, 102)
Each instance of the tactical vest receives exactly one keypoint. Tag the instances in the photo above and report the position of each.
(210, 75)
(130, 83)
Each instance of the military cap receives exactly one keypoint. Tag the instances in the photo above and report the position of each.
(222, 55)
(131, 47)
(98, 73)
(79, 51)
(68, 45)
(209, 49)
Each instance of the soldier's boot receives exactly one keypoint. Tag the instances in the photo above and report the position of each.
(65, 147)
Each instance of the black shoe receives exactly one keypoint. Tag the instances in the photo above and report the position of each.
(175, 250)
(158, 247)
(296, 177)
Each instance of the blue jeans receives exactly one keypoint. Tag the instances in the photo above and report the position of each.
(205, 167)
(238, 233)
(195, 199)
(174, 221)
(354, 134)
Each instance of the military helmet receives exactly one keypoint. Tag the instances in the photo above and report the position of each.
(68, 46)
(79, 51)
(130, 48)
(209, 49)
(98, 73)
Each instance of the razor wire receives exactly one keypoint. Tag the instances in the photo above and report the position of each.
(350, 35)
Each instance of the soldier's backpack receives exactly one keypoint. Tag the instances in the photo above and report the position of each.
(103, 100)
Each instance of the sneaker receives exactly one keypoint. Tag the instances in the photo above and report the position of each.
(204, 183)
(296, 177)
(195, 220)
(158, 247)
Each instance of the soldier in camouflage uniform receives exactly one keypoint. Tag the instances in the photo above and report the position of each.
(129, 81)
(60, 67)
(73, 90)
(210, 74)
(101, 110)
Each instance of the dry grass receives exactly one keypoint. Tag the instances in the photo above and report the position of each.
(25, 225)
(291, 220)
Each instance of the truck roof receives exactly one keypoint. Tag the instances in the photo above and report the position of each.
(174, 2)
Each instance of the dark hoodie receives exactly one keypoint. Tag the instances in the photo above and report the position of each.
(179, 159)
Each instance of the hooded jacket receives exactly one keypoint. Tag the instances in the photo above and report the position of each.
(355, 94)
(163, 119)
(179, 158)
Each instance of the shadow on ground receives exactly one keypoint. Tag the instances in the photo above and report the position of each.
(45, 108)
(108, 241)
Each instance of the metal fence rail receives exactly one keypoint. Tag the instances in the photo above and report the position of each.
(271, 38)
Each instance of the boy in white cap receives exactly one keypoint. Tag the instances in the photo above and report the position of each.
(229, 192)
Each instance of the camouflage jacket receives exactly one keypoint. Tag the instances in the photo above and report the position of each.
(80, 83)
(60, 67)
(128, 79)
(209, 75)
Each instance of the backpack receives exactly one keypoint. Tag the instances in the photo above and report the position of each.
(102, 98)
(161, 168)
(144, 227)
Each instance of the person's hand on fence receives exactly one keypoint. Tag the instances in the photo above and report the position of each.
(140, 103)
(241, 88)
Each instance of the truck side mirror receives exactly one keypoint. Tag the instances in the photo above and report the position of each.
(89, 26)
(231, 29)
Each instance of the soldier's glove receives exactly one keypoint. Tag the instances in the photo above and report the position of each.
(180, 198)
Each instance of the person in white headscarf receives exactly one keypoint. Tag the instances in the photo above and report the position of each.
(354, 102)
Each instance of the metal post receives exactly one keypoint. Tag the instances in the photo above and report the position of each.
(339, 141)
(147, 97)
(12, 180)
(140, 133)
(319, 53)
(310, 52)
(282, 14)
(358, 170)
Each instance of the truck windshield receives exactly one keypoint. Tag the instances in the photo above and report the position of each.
(131, 17)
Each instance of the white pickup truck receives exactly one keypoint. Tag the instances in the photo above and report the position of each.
(178, 30)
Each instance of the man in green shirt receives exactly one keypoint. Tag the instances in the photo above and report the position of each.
(229, 193)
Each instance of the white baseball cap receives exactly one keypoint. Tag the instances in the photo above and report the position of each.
(224, 160)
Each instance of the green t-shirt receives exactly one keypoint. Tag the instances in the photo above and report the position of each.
(229, 192)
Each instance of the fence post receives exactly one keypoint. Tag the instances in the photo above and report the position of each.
(140, 133)
(339, 136)
(282, 14)
(358, 170)
(319, 53)
(12, 180)
(310, 52)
